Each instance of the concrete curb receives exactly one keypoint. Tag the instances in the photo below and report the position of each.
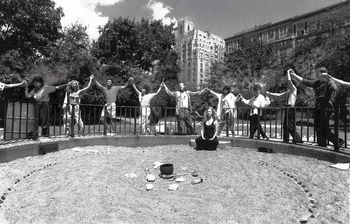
(42, 147)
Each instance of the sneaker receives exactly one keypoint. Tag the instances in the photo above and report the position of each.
(266, 138)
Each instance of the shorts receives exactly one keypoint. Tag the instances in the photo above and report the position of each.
(110, 109)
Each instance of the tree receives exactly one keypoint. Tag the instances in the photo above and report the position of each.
(140, 49)
(27, 27)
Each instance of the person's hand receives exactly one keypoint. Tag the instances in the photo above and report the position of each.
(91, 77)
(211, 139)
(268, 93)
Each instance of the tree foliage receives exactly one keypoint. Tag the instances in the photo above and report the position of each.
(28, 26)
(142, 49)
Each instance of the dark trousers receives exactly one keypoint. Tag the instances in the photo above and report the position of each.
(204, 144)
(255, 125)
(323, 132)
(43, 118)
(289, 125)
(184, 115)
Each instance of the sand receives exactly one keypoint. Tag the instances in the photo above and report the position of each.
(94, 185)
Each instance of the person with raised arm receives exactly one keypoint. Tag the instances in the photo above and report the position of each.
(145, 99)
(72, 100)
(208, 139)
(183, 106)
(109, 111)
(257, 102)
(41, 94)
(289, 114)
(227, 108)
(325, 93)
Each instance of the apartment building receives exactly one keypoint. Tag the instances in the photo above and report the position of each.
(197, 51)
(287, 34)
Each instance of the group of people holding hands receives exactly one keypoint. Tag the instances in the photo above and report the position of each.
(324, 85)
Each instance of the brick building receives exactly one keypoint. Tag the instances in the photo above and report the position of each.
(288, 33)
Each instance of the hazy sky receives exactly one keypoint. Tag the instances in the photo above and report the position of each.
(222, 17)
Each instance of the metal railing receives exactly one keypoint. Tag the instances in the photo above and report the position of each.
(26, 120)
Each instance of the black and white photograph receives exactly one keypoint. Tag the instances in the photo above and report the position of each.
(174, 111)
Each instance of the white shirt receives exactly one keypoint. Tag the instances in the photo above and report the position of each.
(227, 102)
(257, 102)
(182, 99)
(146, 99)
(292, 96)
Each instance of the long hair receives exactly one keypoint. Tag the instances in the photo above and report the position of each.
(70, 88)
(213, 115)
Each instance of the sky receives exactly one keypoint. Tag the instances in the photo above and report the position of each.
(221, 17)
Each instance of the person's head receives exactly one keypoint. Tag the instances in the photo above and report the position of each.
(38, 82)
(256, 89)
(320, 72)
(226, 90)
(210, 113)
(145, 90)
(182, 87)
(109, 83)
(74, 85)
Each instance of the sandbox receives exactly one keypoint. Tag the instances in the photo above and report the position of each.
(94, 185)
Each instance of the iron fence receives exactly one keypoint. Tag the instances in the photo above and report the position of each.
(30, 120)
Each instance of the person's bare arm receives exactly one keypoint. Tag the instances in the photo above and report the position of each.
(62, 86)
(339, 81)
(299, 78)
(214, 93)
(99, 84)
(7, 86)
(168, 91)
(136, 89)
(130, 80)
(276, 94)
(196, 92)
(159, 89)
(88, 86)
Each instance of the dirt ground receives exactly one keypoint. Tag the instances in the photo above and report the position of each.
(92, 185)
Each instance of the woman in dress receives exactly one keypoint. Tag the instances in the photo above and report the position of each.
(208, 139)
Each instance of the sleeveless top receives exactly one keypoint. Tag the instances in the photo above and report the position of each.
(209, 130)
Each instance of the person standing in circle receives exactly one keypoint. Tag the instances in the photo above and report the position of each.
(71, 105)
(210, 125)
(145, 98)
(227, 109)
(110, 109)
(183, 106)
(289, 115)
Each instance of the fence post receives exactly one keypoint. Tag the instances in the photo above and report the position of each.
(336, 127)
(72, 118)
(105, 120)
(135, 120)
(227, 123)
(36, 121)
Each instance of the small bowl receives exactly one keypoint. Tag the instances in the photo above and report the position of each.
(167, 169)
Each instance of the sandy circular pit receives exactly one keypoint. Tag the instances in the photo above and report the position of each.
(95, 185)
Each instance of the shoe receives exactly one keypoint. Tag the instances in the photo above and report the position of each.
(266, 138)
(300, 141)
